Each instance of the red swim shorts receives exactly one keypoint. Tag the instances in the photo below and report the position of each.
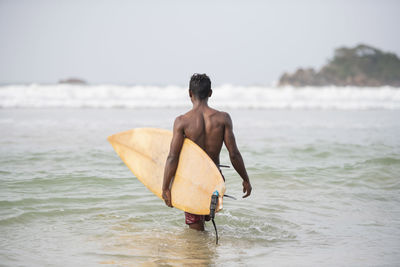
(193, 218)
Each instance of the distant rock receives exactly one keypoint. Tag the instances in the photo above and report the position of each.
(73, 81)
(359, 66)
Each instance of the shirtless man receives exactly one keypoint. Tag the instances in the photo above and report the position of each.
(208, 128)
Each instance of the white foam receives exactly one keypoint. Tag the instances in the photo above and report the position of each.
(225, 96)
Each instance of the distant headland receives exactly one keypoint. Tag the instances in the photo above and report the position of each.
(362, 65)
(76, 81)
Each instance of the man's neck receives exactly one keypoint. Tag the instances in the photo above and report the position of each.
(200, 103)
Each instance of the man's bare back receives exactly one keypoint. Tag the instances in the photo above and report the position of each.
(205, 126)
(208, 128)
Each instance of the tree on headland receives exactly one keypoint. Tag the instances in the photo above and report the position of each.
(362, 65)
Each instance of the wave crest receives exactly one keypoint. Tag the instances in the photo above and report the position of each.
(225, 96)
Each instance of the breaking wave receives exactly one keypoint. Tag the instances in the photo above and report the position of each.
(224, 96)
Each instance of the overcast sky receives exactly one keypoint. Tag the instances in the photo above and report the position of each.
(163, 42)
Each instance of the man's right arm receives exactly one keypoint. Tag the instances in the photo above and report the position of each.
(235, 156)
(172, 160)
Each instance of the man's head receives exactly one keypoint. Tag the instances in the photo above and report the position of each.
(200, 86)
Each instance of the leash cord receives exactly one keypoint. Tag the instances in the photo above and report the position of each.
(216, 232)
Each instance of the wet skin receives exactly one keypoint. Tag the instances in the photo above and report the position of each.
(208, 128)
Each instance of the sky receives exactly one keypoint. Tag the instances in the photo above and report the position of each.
(163, 42)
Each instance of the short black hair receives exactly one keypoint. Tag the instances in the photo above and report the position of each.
(200, 85)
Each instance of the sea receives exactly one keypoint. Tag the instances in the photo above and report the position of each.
(324, 164)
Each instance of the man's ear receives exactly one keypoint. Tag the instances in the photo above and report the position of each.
(190, 93)
(210, 93)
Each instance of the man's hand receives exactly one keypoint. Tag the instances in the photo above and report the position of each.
(166, 195)
(246, 188)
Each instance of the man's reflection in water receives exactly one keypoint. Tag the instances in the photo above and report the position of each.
(150, 248)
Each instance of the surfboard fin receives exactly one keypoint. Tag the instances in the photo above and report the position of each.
(234, 198)
(223, 166)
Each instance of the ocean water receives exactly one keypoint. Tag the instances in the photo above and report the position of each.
(326, 184)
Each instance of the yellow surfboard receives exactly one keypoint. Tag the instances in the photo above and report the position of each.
(145, 151)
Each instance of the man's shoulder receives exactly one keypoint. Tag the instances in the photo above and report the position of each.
(223, 115)
(180, 118)
(217, 112)
(180, 122)
(183, 118)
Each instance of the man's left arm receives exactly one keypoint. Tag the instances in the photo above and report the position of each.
(172, 161)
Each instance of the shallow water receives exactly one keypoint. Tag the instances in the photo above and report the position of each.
(326, 192)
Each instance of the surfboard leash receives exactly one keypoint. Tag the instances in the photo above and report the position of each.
(213, 207)
(216, 232)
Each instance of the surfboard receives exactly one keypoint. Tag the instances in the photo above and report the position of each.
(145, 151)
